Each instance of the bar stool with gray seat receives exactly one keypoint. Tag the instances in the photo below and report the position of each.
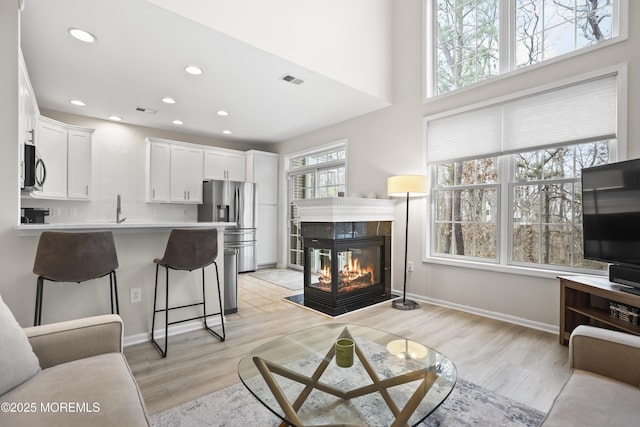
(75, 257)
(187, 249)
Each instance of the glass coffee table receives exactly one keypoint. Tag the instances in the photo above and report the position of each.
(393, 381)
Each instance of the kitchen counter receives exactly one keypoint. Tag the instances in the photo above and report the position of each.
(133, 226)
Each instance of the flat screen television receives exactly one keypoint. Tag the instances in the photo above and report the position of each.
(611, 218)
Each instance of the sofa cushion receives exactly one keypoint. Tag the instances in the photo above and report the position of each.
(94, 391)
(589, 399)
(18, 363)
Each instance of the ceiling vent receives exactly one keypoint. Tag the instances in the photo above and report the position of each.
(291, 79)
(146, 110)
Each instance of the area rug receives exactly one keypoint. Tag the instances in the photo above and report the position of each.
(467, 405)
(290, 279)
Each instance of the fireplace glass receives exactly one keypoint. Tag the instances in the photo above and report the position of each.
(357, 268)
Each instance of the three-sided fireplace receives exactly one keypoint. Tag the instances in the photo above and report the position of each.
(347, 265)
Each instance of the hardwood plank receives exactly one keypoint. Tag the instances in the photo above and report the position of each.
(527, 365)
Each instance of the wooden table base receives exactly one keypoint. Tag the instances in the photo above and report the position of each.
(267, 369)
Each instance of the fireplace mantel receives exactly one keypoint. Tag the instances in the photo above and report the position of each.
(345, 209)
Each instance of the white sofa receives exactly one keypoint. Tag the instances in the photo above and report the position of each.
(76, 375)
(604, 386)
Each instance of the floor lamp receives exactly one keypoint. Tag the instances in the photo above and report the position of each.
(407, 186)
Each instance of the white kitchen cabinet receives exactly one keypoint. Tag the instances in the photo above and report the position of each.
(195, 175)
(66, 153)
(78, 164)
(186, 174)
(158, 172)
(174, 172)
(224, 164)
(262, 169)
(52, 149)
(28, 113)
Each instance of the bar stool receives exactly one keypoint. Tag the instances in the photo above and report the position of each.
(75, 257)
(187, 250)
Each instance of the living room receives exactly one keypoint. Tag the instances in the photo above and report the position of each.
(390, 141)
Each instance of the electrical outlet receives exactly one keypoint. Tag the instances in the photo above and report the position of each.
(410, 266)
(135, 295)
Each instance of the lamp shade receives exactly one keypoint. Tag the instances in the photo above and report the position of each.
(415, 185)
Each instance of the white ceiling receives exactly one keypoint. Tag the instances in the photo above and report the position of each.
(139, 58)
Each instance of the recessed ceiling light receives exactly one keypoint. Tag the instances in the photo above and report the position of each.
(77, 102)
(82, 35)
(168, 100)
(177, 122)
(226, 132)
(192, 69)
(115, 118)
(222, 113)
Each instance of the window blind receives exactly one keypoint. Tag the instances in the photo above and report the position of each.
(469, 134)
(578, 112)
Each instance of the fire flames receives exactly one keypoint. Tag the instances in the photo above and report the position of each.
(350, 277)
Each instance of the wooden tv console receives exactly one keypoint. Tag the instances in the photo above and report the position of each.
(584, 300)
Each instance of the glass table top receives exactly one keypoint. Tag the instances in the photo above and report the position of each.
(393, 380)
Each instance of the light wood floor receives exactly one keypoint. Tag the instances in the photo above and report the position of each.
(526, 365)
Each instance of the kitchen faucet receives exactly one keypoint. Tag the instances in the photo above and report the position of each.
(119, 210)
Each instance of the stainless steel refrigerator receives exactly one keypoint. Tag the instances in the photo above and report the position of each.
(232, 201)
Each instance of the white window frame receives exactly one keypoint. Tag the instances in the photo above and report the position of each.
(620, 32)
(314, 168)
(617, 152)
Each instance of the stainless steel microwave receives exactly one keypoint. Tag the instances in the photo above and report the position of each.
(35, 172)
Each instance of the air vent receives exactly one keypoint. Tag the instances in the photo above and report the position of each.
(146, 110)
(291, 79)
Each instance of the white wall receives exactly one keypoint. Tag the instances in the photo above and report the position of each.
(348, 41)
(391, 141)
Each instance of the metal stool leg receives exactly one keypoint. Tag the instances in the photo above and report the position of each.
(166, 313)
(113, 285)
(37, 317)
(153, 321)
(220, 302)
(223, 336)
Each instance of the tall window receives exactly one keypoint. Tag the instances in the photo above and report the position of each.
(507, 176)
(320, 173)
(544, 204)
(466, 199)
(472, 40)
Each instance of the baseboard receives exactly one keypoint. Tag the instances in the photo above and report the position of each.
(545, 327)
(173, 330)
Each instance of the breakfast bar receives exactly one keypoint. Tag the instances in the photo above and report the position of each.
(137, 243)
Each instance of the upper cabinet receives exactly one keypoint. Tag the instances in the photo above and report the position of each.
(78, 163)
(52, 149)
(158, 171)
(186, 174)
(224, 164)
(28, 113)
(66, 153)
(262, 168)
(174, 172)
